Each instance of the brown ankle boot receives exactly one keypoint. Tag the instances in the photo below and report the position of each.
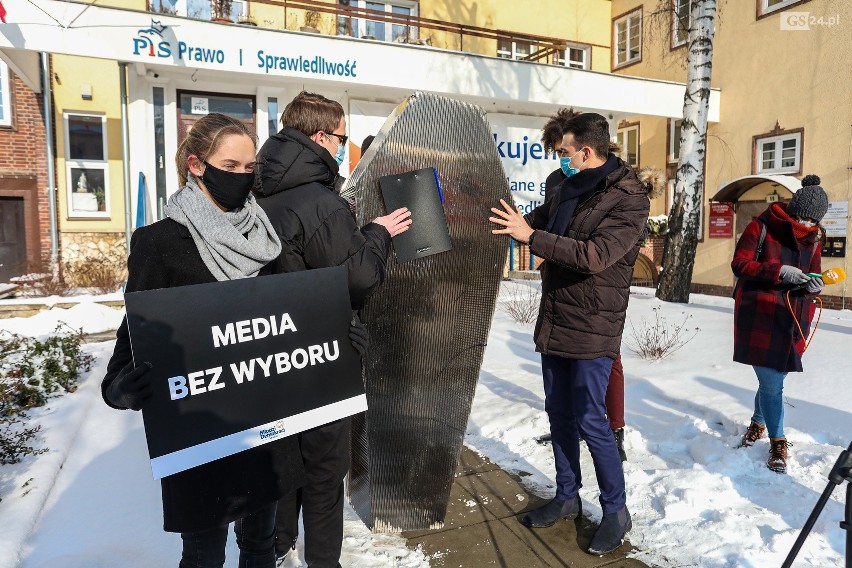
(778, 455)
(754, 433)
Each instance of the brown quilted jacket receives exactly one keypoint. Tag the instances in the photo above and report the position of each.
(586, 273)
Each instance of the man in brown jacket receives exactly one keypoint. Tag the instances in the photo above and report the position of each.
(588, 235)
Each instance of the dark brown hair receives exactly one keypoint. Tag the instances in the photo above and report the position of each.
(204, 137)
(592, 130)
(309, 113)
(555, 128)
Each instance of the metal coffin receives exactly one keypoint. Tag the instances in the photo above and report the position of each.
(429, 321)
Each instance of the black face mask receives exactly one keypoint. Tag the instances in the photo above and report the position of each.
(229, 189)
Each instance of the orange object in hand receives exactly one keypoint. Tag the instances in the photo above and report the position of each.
(831, 276)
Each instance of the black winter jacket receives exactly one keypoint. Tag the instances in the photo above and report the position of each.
(296, 188)
(163, 255)
(587, 271)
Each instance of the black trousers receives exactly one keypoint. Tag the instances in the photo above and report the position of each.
(255, 534)
(326, 455)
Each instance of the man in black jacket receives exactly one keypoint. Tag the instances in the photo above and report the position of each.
(588, 237)
(297, 170)
(552, 134)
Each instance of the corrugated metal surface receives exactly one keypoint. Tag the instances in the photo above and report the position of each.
(429, 322)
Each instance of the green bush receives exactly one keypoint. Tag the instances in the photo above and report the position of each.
(31, 371)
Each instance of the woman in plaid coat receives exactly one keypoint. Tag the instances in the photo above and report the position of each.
(766, 334)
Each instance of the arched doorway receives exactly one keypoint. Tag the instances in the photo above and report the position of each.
(644, 272)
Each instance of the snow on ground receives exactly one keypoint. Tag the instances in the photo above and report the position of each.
(91, 502)
(695, 499)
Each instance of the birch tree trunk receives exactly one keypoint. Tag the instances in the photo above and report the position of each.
(685, 216)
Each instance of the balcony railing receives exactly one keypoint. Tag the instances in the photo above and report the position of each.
(404, 28)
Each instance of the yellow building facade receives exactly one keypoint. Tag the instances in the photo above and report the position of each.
(90, 181)
(782, 68)
(519, 60)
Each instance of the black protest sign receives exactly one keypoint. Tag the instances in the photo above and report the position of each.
(241, 363)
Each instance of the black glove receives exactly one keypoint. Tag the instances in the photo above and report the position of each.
(131, 388)
(359, 337)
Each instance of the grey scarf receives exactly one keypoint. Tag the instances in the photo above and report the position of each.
(232, 244)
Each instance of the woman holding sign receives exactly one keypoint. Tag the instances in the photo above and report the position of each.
(776, 261)
(214, 231)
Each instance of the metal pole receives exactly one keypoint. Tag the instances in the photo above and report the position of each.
(125, 153)
(842, 471)
(511, 255)
(532, 259)
(51, 172)
(847, 523)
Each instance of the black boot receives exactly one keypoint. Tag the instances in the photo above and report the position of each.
(610, 533)
(281, 551)
(555, 510)
(618, 434)
(544, 439)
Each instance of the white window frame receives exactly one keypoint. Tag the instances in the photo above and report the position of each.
(778, 142)
(5, 95)
(413, 31)
(674, 138)
(559, 58)
(622, 141)
(102, 165)
(514, 52)
(677, 4)
(626, 20)
(239, 9)
(765, 8)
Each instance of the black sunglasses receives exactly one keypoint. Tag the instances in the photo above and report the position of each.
(342, 137)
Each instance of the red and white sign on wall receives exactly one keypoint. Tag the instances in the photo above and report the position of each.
(721, 220)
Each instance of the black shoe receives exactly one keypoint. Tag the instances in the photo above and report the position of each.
(282, 552)
(544, 439)
(555, 510)
(618, 434)
(610, 533)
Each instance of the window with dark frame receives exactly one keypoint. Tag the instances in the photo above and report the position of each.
(86, 165)
(272, 115)
(627, 36)
(681, 11)
(778, 154)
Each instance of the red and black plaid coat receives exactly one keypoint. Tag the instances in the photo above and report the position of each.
(765, 333)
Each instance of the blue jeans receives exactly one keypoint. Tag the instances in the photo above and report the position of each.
(768, 402)
(255, 538)
(575, 394)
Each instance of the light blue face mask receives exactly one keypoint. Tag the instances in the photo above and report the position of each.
(565, 164)
(341, 151)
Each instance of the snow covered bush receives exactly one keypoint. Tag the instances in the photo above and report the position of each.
(30, 371)
(658, 225)
(658, 339)
(41, 284)
(522, 303)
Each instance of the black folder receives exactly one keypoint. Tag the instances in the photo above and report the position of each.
(420, 191)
